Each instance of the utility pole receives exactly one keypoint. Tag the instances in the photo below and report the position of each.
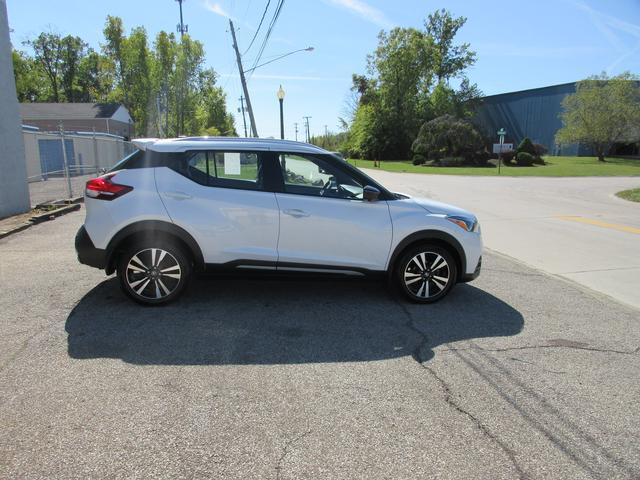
(306, 124)
(181, 28)
(295, 126)
(254, 130)
(244, 119)
(326, 132)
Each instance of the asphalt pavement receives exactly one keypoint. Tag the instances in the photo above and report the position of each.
(574, 227)
(519, 374)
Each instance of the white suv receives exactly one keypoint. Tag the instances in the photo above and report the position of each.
(179, 206)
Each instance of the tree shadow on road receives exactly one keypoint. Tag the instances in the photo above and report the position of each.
(228, 320)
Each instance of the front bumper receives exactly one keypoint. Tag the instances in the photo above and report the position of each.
(88, 254)
(476, 273)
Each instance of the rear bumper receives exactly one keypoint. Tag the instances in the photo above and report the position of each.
(476, 273)
(88, 254)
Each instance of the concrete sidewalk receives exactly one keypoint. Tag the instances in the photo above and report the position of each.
(573, 227)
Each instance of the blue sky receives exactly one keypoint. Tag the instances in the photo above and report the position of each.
(520, 44)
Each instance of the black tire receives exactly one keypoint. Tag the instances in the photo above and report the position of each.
(154, 272)
(421, 273)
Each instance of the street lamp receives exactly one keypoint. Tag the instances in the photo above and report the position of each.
(280, 96)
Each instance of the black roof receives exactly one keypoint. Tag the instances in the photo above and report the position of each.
(67, 111)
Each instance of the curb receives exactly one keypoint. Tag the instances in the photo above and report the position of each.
(43, 217)
(17, 229)
(67, 201)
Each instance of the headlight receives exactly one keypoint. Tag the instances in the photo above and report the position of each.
(470, 224)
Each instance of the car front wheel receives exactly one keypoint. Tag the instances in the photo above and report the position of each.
(154, 272)
(426, 273)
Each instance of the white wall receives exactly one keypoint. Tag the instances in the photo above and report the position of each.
(14, 191)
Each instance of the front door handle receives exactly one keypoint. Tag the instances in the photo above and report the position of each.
(295, 212)
(177, 195)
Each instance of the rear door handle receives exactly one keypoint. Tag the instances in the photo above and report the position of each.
(177, 195)
(294, 212)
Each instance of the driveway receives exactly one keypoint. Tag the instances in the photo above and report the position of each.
(573, 227)
(516, 375)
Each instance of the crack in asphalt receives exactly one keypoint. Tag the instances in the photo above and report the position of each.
(448, 397)
(510, 453)
(537, 365)
(285, 451)
(535, 347)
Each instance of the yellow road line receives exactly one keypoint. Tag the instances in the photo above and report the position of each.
(598, 223)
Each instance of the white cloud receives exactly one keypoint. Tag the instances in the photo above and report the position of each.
(611, 28)
(365, 11)
(216, 8)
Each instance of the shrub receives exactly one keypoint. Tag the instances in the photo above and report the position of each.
(507, 157)
(524, 159)
(452, 162)
(419, 159)
(540, 149)
(526, 146)
(447, 136)
(481, 159)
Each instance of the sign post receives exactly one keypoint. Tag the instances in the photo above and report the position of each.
(501, 134)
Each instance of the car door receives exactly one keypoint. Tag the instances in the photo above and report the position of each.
(324, 221)
(220, 199)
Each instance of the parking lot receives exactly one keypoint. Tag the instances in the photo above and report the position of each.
(517, 375)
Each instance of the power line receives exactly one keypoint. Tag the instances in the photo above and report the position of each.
(259, 25)
(274, 19)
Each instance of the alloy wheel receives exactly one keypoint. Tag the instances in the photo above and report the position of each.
(153, 273)
(426, 275)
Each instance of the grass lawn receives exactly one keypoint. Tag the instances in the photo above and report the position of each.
(632, 195)
(556, 167)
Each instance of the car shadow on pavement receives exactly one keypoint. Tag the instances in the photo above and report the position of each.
(230, 320)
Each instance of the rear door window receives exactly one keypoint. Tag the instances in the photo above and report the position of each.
(226, 169)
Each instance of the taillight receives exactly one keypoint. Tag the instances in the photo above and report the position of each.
(103, 188)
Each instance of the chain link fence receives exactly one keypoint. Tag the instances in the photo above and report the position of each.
(60, 163)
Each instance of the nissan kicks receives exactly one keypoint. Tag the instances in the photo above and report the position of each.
(180, 206)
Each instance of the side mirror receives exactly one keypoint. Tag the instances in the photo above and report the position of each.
(370, 194)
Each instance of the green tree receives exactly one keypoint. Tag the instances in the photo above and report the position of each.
(137, 78)
(448, 136)
(47, 48)
(93, 80)
(603, 111)
(449, 60)
(165, 88)
(113, 50)
(31, 81)
(72, 54)
(189, 61)
(408, 84)
(163, 74)
(212, 111)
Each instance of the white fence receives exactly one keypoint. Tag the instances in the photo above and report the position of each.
(55, 173)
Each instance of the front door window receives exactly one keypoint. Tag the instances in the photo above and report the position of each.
(311, 176)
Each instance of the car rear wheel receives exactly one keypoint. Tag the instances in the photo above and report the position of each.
(426, 273)
(154, 272)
